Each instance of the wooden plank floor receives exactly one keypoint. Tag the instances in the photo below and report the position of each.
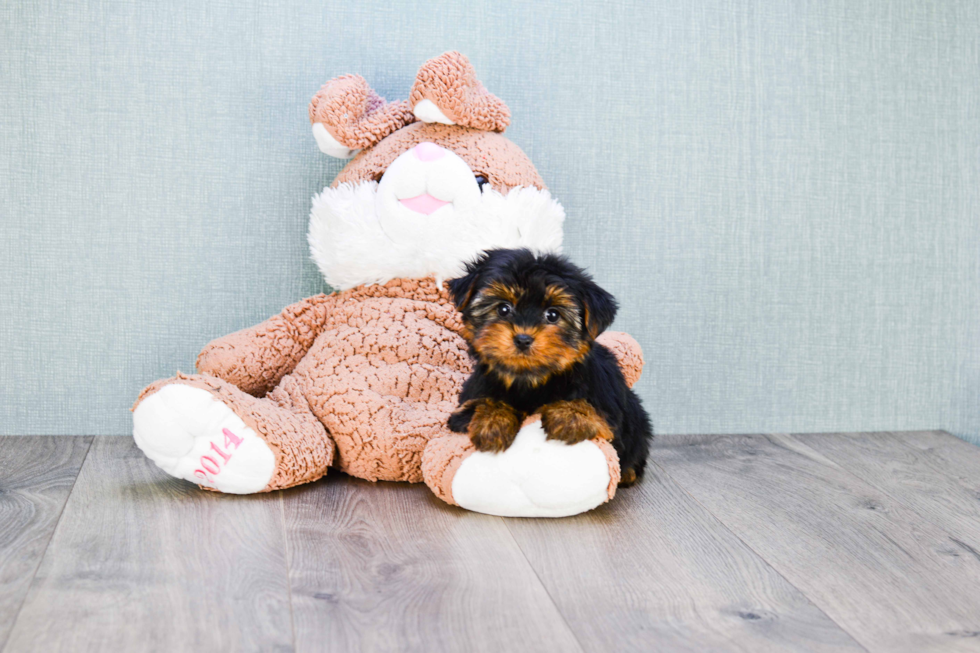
(850, 542)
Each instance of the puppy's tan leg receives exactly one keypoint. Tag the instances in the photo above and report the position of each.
(494, 425)
(573, 422)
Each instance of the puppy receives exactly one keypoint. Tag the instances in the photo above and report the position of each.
(531, 323)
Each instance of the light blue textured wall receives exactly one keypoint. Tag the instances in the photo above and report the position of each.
(785, 196)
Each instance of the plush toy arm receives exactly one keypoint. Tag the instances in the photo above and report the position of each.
(627, 351)
(255, 359)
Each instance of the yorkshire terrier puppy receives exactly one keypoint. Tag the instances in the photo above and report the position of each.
(531, 323)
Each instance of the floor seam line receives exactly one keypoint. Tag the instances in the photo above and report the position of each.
(561, 615)
(289, 567)
(40, 560)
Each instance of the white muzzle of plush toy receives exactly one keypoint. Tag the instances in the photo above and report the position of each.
(422, 191)
(427, 216)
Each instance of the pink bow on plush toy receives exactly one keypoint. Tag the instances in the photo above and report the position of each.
(364, 380)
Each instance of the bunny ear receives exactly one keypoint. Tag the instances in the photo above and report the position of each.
(347, 115)
(446, 90)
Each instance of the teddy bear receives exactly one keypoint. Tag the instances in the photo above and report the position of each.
(364, 379)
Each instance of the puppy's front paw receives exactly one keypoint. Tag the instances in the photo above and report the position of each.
(459, 422)
(573, 422)
(494, 426)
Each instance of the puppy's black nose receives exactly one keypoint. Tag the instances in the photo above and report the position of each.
(523, 341)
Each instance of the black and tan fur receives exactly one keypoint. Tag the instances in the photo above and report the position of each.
(531, 322)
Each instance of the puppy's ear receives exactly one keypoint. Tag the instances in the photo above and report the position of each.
(598, 308)
(462, 289)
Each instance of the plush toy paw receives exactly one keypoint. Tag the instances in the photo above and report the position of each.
(534, 477)
(206, 430)
(189, 433)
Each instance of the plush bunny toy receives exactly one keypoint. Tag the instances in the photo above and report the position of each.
(363, 380)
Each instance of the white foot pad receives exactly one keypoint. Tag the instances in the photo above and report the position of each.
(535, 477)
(192, 435)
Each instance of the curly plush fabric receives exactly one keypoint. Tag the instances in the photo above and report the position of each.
(449, 81)
(384, 376)
(440, 461)
(256, 359)
(379, 366)
(354, 114)
(628, 353)
(612, 460)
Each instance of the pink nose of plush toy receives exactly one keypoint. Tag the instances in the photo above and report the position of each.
(429, 151)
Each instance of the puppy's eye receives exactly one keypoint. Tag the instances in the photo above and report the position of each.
(503, 310)
(481, 181)
(551, 315)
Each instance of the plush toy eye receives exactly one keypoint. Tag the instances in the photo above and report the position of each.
(503, 310)
(551, 315)
(481, 181)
